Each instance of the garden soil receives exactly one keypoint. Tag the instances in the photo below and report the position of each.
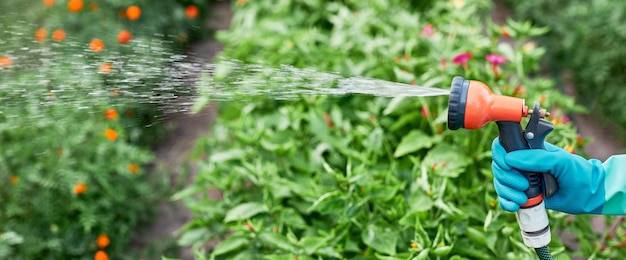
(173, 153)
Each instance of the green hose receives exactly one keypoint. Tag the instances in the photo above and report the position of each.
(544, 253)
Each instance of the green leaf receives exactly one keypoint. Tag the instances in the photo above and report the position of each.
(397, 103)
(311, 244)
(245, 211)
(420, 202)
(231, 244)
(227, 155)
(403, 76)
(413, 141)
(292, 218)
(190, 237)
(277, 241)
(381, 240)
(449, 161)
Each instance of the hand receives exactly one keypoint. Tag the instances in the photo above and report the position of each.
(581, 182)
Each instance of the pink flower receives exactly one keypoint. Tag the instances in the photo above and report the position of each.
(462, 59)
(442, 63)
(495, 60)
(427, 30)
(425, 112)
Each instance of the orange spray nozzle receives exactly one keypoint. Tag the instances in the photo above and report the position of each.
(473, 105)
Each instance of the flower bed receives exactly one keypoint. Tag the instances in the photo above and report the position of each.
(361, 177)
(78, 114)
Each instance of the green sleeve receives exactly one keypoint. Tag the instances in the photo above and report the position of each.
(615, 185)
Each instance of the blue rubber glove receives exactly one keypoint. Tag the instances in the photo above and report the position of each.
(585, 186)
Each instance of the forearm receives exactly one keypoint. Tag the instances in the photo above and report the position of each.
(615, 185)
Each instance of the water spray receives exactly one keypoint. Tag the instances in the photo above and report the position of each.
(471, 106)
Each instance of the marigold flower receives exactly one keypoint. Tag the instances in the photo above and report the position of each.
(133, 12)
(241, 2)
(5, 61)
(75, 5)
(41, 34)
(124, 36)
(133, 168)
(462, 59)
(80, 188)
(15, 179)
(414, 246)
(110, 114)
(192, 11)
(101, 255)
(396, 59)
(102, 241)
(48, 2)
(495, 60)
(96, 45)
(105, 68)
(427, 30)
(58, 35)
(110, 134)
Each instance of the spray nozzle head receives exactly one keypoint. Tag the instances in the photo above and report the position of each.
(473, 105)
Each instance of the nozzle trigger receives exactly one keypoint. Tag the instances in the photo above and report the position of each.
(535, 134)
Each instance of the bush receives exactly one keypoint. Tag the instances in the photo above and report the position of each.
(585, 39)
(79, 109)
(361, 177)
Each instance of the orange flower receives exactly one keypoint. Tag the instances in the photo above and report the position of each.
(110, 114)
(133, 12)
(58, 35)
(124, 37)
(5, 61)
(102, 241)
(80, 188)
(105, 68)
(48, 2)
(75, 5)
(191, 11)
(241, 2)
(133, 168)
(41, 34)
(15, 179)
(101, 255)
(96, 45)
(110, 134)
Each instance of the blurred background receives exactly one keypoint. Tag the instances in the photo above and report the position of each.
(115, 145)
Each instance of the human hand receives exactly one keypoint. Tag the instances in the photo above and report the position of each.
(581, 182)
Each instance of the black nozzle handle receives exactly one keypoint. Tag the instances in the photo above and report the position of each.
(512, 139)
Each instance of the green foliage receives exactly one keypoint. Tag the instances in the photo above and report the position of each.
(586, 39)
(361, 177)
(74, 132)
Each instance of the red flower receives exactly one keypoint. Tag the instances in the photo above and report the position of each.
(462, 59)
(495, 60)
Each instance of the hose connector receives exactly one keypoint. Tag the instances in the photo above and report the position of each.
(534, 225)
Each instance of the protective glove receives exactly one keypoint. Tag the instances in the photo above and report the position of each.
(585, 186)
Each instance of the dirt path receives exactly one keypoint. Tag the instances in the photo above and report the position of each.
(172, 154)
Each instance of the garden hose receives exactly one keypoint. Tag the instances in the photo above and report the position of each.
(543, 253)
(471, 106)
